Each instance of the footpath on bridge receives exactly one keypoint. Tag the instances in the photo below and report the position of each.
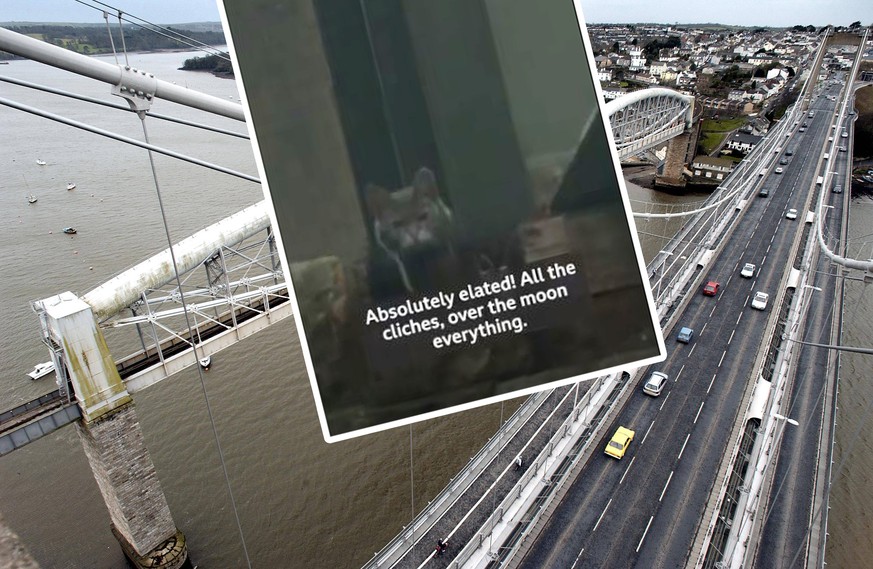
(468, 509)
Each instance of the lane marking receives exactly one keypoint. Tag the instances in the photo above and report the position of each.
(740, 316)
(664, 491)
(713, 309)
(698, 412)
(664, 401)
(688, 436)
(732, 336)
(622, 476)
(747, 299)
(640, 544)
(768, 248)
(577, 558)
(692, 350)
(730, 277)
(647, 433)
(764, 260)
(711, 381)
(722, 358)
(603, 513)
(702, 329)
(680, 373)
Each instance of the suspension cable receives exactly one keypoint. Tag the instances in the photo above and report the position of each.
(142, 117)
(127, 140)
(121, 107)
(168, 33)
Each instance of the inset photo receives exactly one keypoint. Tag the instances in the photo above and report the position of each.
(447, 198)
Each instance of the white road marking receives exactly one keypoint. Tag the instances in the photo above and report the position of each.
(623, 475)
(702, 329)
(664, 401)
(577, 558)
(665, 486)
(640, 544)
(740, 316)
(680, 373)
(747, 299)
(722, 358)
(647, 433)
(603, 513)
(711, 381)
(713, 309)
(692, 350)
(688, 436)
(698, 412)
(768, 248)
(732, 336)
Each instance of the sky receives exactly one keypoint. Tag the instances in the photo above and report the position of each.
(777, 13)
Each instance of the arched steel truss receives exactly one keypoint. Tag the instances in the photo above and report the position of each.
(649, 117)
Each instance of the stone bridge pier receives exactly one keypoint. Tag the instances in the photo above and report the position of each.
(111, 434)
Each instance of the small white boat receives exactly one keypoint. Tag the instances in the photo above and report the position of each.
(205, 362)
(41, 370)
(69, 230)
(71, 186)
(31, 198)
(40, 162)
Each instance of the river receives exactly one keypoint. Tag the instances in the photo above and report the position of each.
(302, 503)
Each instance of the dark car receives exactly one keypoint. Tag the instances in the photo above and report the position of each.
(764, 192)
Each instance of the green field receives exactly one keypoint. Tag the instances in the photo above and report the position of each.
(722, 125)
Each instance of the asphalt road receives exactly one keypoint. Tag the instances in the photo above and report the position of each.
(643, 510)
(784, 536)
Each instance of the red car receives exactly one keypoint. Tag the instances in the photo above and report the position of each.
(711, 288)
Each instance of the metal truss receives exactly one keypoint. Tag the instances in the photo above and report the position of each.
(644, 119)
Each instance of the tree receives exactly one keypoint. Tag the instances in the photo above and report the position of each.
(855, 25)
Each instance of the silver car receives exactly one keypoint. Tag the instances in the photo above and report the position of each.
(655, 384)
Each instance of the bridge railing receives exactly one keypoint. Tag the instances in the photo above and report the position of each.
(427, 517)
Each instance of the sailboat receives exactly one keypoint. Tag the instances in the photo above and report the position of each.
(31, 198)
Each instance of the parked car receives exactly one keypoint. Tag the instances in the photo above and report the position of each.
(759, 302)
(748, 271)
(685, 335)
(792, 214)
(655, 384)
(619, 442)
(710, 288)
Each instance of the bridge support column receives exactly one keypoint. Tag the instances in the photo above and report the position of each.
(112, 437)
(674, 163)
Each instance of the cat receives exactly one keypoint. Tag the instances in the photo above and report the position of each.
(413, 227)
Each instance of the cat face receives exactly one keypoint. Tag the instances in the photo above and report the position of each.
(412, 217)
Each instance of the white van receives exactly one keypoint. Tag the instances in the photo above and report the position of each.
(819, 181)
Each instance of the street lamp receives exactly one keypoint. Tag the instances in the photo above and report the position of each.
(784, 418)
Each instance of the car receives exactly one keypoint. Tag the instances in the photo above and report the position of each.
(803, 129)
(838, 189)
(685, 335)
(842, 148)
(710, 288)
(655, 384)
(759, 302)
(784, 161)
(617, 445)
(844, 135)
(778, 170)
(789, 152)
(792, 214)
(764, 192)
(830, 139)
(748, 271)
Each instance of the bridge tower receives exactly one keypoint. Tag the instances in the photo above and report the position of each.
(111, 434)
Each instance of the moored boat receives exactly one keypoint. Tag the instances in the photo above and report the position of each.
(70, 230)
(205, 362)
(71, 186)
(31, 198)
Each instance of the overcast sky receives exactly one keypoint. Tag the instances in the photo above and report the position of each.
(739, 12)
